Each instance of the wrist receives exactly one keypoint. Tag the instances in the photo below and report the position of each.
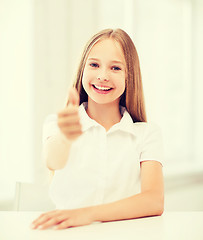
(65, 140)
(94, 211)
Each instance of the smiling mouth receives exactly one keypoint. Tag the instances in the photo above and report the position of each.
(101, 88)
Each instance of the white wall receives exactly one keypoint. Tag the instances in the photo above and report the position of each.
(163, 36)
(16, 94)
(197, 76)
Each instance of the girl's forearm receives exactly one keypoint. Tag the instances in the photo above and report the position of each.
(140, 205)
(56, 151)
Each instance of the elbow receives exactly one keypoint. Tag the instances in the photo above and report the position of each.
(159, 205)
(160, 211)
(51, 163)
(54, 166)
(156, 204)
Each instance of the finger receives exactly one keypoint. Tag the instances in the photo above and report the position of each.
(43, 214)
(52, 221)
(70, 109)
(74, 97)
(65, 224)
(68, 120)
(70, 130)
(74, 135)
(43, 218)
(64, 124)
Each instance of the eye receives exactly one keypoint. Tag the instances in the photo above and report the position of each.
(94, 65)
(116, 68)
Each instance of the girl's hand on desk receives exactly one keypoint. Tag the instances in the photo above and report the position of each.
(68, 118)
(62, 219)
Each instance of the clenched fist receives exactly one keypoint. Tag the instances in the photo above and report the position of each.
(69, 119)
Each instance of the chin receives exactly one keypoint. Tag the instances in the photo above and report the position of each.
(104, 102)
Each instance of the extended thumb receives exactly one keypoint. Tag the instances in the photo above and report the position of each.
(74, 97)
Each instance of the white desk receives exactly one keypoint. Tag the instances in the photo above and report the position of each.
(170, 226)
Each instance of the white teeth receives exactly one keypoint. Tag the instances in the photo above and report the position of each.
(101, 88)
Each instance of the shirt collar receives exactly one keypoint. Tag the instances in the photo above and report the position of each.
(125, 124)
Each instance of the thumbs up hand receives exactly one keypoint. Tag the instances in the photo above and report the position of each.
(69, 119)
(74, 98)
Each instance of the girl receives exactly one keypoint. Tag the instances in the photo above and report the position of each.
(106, 158)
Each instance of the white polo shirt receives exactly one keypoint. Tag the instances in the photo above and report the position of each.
(103, 166)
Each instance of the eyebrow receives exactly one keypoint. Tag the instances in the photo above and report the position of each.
(114, 61)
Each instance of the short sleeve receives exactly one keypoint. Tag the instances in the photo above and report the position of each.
(152, 145)
(50, 127)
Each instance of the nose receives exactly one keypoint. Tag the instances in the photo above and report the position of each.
(103, 75)
(102, 79)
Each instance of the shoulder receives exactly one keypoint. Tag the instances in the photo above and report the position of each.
(146, 128)
(50, 119)
(146, 125)
(50, 127)
(151, 141)
(138, 129)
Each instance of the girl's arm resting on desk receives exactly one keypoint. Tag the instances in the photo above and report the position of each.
(150, 202)
(55, 151)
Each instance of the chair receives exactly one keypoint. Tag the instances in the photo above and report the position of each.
(32, 197)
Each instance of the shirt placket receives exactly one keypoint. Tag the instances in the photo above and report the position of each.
(102, 164)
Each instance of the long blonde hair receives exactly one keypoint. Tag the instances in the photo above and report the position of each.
(133, 97)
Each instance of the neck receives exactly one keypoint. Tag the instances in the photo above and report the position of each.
(105, 114)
